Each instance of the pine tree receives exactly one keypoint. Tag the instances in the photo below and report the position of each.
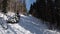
(47, 11)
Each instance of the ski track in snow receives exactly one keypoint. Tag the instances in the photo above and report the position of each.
(27, 25)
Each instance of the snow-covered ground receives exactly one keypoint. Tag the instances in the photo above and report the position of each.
(27, 25)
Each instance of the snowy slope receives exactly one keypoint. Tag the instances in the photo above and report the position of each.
(27, 25)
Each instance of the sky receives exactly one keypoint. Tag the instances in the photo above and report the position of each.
(28, 3)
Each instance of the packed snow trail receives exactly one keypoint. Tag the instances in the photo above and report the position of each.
(27, 25)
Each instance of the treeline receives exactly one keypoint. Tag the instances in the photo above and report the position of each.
(13, 6)
(47, 10)
(3, 5)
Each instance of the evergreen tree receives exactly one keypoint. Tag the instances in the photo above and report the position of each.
(4, 5)
(47, 11)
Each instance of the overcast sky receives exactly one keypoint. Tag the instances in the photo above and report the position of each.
(28, 3)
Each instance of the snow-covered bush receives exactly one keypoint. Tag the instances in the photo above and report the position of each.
(9, 17)
(13, 17)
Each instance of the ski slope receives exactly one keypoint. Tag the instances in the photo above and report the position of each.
(27, 25)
